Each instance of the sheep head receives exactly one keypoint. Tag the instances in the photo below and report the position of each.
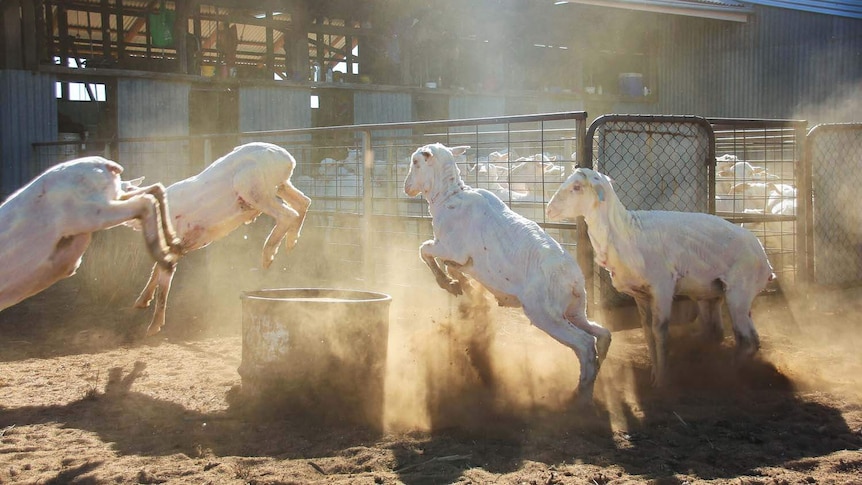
(431, 166)
(582, 193)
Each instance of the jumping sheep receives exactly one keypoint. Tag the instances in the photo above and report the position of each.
(477, 235)
(235, 189)
(46, 226)
(654, 255)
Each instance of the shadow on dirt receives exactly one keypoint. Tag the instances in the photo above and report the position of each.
(716, 421)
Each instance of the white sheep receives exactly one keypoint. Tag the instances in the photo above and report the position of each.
(477, 235)
(235, 189)
(772, 199)
(754, 197)
(491, 172)
(654, 255)
(731, 171)
(536, 176)
(46, 226)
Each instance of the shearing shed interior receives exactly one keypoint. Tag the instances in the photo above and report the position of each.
(335, 356)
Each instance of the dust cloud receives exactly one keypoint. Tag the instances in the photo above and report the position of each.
(457, 362)
(843, 105)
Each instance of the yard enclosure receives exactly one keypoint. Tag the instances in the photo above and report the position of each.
(363, 231)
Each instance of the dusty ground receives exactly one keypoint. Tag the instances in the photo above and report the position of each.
(80, 403)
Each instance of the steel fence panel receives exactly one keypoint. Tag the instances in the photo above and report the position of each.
(48, 154)
(757, 185)
(834, 152)
(352, 237)
(385, 240)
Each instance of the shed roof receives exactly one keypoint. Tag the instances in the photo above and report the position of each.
(841, 8)
(730, 9)
(714, 9)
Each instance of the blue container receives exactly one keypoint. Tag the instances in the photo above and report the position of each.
(631, 84)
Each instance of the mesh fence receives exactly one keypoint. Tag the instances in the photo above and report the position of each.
(656, 163)
(834, 153)
(48, 154)
(362, 230)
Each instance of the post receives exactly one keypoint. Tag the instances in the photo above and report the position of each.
(367, 208)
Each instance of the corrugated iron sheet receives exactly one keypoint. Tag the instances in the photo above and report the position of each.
(779, 63)
(28, 115)
(274, 108)
(382, 107)
(148, 108)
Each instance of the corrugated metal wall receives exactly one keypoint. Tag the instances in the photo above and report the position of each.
(385, 107)
(274, 108)
(153, 108)
(771, 67)
(476, 106)
(28, 114)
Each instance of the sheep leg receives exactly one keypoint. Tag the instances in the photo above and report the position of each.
(158, 192)
(576, 314)
(426, 252)
(709, 312)
(739, 307)
(661, 306)
(582, 343)
(149, 290)
(643, 305)
(163, 288)
(287, 218)
(475, 303)
(97, 216)
(300, 203)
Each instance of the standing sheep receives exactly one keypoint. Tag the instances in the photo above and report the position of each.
(654, 255)
(477, 235)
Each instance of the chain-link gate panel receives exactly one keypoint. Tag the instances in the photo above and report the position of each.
(834, 153)
(656, 163)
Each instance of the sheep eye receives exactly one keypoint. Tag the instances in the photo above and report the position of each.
(576, 187)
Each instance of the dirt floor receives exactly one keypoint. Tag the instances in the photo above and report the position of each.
(466, 401)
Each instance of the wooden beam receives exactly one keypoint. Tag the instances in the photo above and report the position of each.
(139, 23)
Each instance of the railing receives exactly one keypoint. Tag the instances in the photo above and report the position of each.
(364, 231)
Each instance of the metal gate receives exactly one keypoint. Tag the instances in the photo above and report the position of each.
(834, 153)
(757, 186)
(657, 163)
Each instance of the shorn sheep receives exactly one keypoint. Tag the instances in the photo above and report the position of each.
(654, 255)
(235, 189)
(47, 225)
(477, 235)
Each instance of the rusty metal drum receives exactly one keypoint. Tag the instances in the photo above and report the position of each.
(316, 352)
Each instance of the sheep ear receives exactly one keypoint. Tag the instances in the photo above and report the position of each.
(427, 154)
(459, 150)
(596, 183)
(126, 185)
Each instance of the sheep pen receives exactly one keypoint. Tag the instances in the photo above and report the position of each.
(472, 400)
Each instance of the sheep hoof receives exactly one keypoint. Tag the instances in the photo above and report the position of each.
(603, 344)
(141, 304)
